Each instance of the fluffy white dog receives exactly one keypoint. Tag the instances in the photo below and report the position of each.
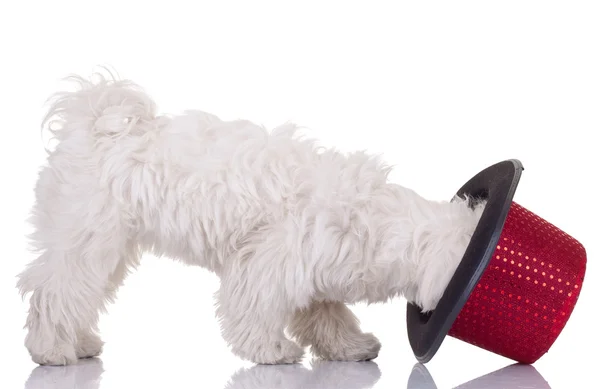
(294, 232)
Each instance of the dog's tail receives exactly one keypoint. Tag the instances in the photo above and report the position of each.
(106, 107)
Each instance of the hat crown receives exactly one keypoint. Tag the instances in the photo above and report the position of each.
(529, 290)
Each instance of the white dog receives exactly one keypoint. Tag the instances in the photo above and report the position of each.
(294, 232)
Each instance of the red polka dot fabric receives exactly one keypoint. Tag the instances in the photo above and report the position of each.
(528, 292)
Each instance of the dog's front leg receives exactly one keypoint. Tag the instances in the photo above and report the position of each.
(253, 324)
(258, 297)
(333, 332)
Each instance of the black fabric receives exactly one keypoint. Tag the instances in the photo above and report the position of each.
(497, 184)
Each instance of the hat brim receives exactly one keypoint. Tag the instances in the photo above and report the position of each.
(497, 185)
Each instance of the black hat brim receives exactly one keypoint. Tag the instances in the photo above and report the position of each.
(496, 184)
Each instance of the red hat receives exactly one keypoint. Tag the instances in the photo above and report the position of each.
(517, 284)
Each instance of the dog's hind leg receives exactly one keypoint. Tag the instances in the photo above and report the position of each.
(83, 240)
(89, 343)
(333, 332)
(68, 293)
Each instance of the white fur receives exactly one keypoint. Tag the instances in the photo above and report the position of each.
(294, 231)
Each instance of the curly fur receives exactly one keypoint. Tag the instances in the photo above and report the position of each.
(294, 231)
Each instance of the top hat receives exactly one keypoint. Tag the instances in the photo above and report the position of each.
(517, 375)
(516, 285)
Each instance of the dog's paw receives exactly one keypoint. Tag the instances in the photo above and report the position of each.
(278, 353)
(356, 348)
(88, 346)
(59, 355)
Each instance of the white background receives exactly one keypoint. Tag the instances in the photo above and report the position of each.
(441, 89)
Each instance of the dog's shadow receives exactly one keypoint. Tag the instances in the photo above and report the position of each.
(86, 374)
(321, 374)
